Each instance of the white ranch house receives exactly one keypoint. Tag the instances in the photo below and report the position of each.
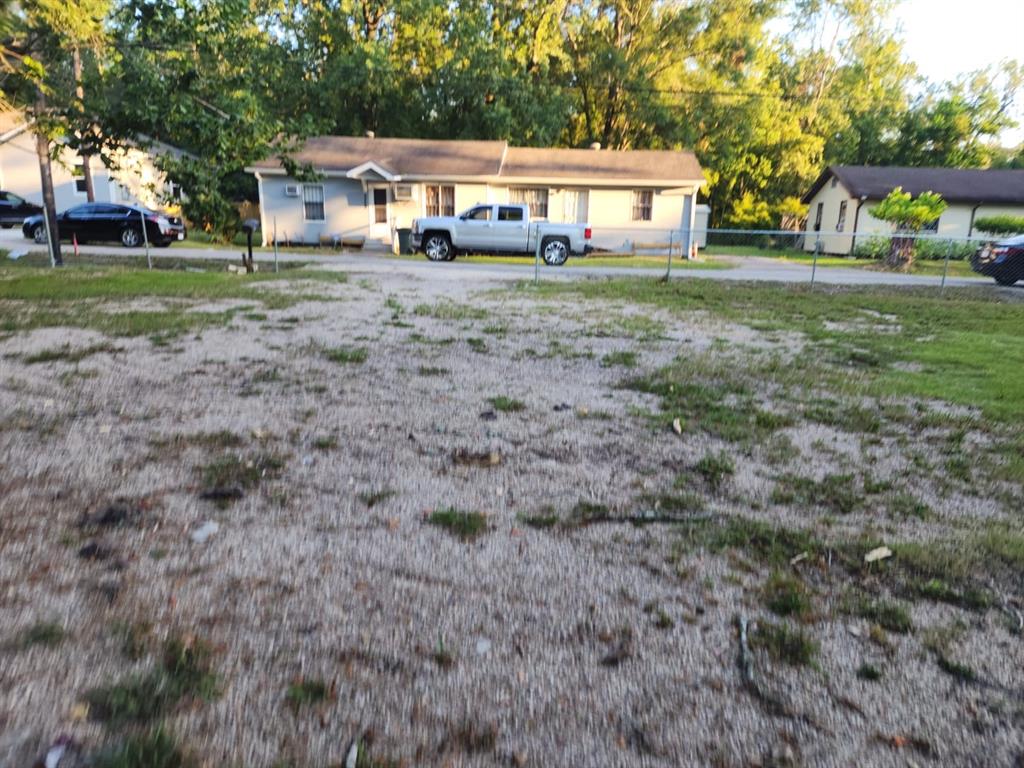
(367, 188)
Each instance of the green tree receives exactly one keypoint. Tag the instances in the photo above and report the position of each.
(908, 215)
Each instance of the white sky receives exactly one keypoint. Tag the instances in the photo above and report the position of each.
(947, 38)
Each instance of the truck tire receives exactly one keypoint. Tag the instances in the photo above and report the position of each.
(555, 251)
(437, 246)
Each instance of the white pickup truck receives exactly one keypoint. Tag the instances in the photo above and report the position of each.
(498, 228)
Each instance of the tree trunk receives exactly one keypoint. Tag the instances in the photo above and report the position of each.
(76, 64)
(46, 180)
(901, 252)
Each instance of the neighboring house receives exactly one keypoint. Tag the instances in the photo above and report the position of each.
(134, 178)
(839, 201)
(369, 187)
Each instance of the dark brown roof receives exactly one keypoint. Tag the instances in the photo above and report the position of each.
(426, 157)
(646, 164)
(956, 185)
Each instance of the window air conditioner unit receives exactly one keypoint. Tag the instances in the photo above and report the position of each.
(291, 190)
(403, 192)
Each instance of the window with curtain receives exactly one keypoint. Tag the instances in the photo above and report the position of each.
(313, 202)
(440, 200)
(841, 221)
(643, 204)
(535, 197)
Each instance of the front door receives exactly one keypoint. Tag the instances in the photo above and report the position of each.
(380, 213)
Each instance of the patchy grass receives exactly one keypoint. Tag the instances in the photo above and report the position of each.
(715, 469)
(185, 672)
(477, 345)
(786, 595)
(231, 470)
(154, 748)
(768, 544)
(347, 355)
(869, 672)
(43, 634)
(833, 493)
(372, 498)
(430, 370)
(891, 616)
(67, 354)
(325, 443)
(782, 643)
(623, 358)
(306, 692)
(504, 404)
(464, 525)
(449, 310)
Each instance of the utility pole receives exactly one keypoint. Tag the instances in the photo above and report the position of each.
(46, 179)
(76, 66)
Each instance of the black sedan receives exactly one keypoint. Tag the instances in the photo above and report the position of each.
(15, 209)
(109, 221)
(1003, 261)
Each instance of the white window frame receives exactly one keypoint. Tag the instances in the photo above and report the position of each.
(322, 201)
(637, 203)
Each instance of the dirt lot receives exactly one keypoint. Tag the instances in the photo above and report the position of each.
(476, 525)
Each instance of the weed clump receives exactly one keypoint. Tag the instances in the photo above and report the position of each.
(465, 525)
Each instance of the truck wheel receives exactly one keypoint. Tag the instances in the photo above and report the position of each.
(555, 250)
(437, 247)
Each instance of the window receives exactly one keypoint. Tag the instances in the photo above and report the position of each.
(440, 200)
(313, 202)
(817, 217)
(13, 199)
(841, 222)
(79, 174)
(480, 213)
(506, 213)
(931, 226)
(534, 197)
(834, 182)
(643, 203)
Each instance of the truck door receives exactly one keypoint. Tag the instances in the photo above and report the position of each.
(510, 230)
(476, 228)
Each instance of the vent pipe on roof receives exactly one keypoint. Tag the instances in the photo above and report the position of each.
(370, 134)
(595, 146)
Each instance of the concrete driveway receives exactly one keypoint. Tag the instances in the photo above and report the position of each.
(750, 268)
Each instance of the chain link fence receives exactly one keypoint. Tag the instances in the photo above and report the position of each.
(923, 254)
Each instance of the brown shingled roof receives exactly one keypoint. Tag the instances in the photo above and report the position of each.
(956, 185)
(647, 164)
(427, 157)
(407, 157)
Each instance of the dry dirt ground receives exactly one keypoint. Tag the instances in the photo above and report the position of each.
(591, 621)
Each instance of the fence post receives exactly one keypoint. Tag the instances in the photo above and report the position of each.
(814, 264)
(145, 239)
(945, 267)
(536, 258)
(275, 245)
(668, 270)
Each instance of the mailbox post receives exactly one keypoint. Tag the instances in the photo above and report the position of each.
(249, 226)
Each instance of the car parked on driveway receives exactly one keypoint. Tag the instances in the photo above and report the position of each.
(498, 228)
(1003, 261)
(15, 209)
(110, 222)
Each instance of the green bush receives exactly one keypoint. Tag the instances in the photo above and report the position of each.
(1000, 225)
(925, 249)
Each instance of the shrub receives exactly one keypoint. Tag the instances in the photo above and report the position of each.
(1000, 225)
(925, 248)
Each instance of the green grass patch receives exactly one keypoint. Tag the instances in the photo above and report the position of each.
(430, 370)
(43, 634)
(783, 643)
(715, 469)
(67, 354)
(449, 310)
(464, 525)
(239, 471)
(305, 693)
(185, 672)
(786, 595)
(890, 615)
(154, 748)
(347, 355)
(833, 493)
(623, 358)
(504, 404)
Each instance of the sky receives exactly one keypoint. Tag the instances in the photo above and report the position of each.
(946, 38)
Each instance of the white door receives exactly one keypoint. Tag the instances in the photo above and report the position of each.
(380, 212)
(575, 205)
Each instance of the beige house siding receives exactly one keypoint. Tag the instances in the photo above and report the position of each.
(954, 223)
